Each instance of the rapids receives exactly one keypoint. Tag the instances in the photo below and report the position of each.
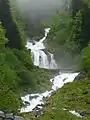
(37, 99)
(40, 58)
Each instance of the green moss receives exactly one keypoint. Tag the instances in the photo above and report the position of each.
(87, 2)
(73, 96)
(13, 30)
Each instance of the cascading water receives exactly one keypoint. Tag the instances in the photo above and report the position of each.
(40, 58)
(37, 99)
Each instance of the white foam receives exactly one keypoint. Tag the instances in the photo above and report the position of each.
(58, 81)
(40, 58)
(75, 113)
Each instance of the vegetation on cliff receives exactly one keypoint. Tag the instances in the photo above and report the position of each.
(70, 37)
(18, 75)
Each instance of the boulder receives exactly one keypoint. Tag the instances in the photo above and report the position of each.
(80, 75)
(18, 118)
(2, 115)
(82, 113)
(32, 97)
(26, 103)
(9, 116)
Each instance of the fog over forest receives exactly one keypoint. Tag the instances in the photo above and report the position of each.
(40, 8)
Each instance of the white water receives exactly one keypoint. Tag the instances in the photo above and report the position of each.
(58, 81)
(40, 58)
(73, 112)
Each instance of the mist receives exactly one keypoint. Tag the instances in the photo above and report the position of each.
(36, 13)
(40, 9)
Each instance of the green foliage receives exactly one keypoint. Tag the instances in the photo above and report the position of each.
(19, 76)
(60, 30)
(8, 87)
(13, 32)
(69, 35)
(8, 100)
(24, 56)
(33, 28)
(74, 44)
(42, 78)
(87, 2)
(86, 58)
(3, 39)
(63, 39)
(72, 96)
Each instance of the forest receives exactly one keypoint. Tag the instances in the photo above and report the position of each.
(69, 40)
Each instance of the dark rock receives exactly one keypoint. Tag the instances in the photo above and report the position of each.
(2, 115)
(10, 26)
(36, 109)
(26, 103)
(18, 118)
(80, 75)
(36, 116)
(29, 50)
(32, 97)
(9, 116)
(64, 79)
(33, 43)
(85, 92)
(82, 113)
(39, 113)
(52, 116)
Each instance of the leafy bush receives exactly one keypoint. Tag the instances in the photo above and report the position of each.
(3, 39)
(86, 58)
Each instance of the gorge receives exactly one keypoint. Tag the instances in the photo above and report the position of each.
(41, 60)
(43, 48)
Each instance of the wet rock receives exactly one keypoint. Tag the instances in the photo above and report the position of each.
(40, 106)
(80, 75)
(33, 43)
(36, 109)
(29, 50)
(26, 103)
(82, 113)
(18, 118)
(39, 113)
(2, 115)
(64, 79)
(9, 116)
(32, 97)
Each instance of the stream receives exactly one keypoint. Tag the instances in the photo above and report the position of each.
(44, 60)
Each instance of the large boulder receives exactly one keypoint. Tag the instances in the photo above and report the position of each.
(80, 75)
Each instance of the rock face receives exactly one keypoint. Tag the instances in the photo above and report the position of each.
(12, 31)
(80, 75)
(10, 116)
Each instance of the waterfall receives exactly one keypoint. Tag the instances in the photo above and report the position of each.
(36, 100)
(39, 57)
(53, 64)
